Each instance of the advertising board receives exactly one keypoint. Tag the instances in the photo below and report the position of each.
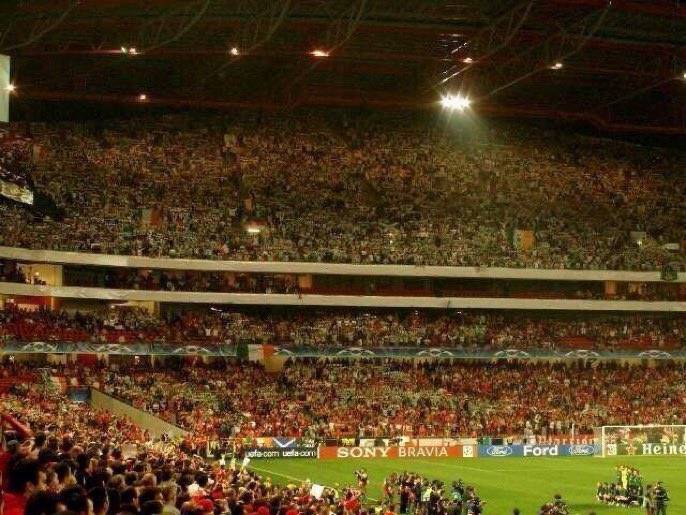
(534, 450)
(423, 452)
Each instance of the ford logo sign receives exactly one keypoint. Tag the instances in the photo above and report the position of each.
(581, 450)
(499, 450)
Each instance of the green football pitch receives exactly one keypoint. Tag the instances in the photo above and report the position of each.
(506, 483)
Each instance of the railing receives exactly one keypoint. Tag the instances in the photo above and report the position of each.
(369, 301)
(80, 258)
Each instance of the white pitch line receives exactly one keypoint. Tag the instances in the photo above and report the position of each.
(267, 471)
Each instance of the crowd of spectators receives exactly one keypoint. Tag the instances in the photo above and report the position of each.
(64, 457)
(353, 189)
(317, 399)
(60, 456)
(14, 159)
(471, 331)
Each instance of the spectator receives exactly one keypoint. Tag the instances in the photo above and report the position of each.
(323, 190)
(24, 479)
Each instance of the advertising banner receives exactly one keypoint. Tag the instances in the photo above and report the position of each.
(437, 451)
(226, 350)
(281, 442)
(534, 450)
(281, 452)
(645, 449)
(645, 440)
(438, 441)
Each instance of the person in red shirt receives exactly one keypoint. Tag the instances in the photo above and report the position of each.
(206, 505)
(26, 477)
(352, 503)
(292, 510)
(5, 457)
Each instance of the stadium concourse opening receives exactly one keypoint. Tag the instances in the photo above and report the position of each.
(354, 257)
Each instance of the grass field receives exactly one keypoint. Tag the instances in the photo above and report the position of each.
(504, 483)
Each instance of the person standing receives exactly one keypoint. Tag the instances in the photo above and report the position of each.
(649, 501)
(661, 499)
(405, 494)
(362, 481)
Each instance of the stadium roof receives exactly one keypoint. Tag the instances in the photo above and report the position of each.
(621, 63)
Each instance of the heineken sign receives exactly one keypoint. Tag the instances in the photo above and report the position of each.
(645, 449)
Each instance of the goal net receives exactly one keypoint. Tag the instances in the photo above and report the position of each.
(650, 440)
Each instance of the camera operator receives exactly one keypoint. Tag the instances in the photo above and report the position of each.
(458, 497)
(475, 506)
(435, 504)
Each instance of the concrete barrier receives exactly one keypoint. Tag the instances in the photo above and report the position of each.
(153, 424)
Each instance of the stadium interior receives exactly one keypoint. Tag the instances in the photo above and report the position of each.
(342, 257)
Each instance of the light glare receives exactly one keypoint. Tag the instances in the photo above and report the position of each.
(468, 60)
(455, 102)
(556, 66)
(234, 51)
(320, 53)
(10, 88)
(142, 97)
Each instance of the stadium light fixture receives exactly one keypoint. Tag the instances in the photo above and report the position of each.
(557, 66)
(318, 52)
(234, 51)
(456, 102)
(142, 97)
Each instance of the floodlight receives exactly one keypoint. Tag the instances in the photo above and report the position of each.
(457, 102)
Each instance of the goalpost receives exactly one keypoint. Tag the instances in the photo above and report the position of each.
(643, 440)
